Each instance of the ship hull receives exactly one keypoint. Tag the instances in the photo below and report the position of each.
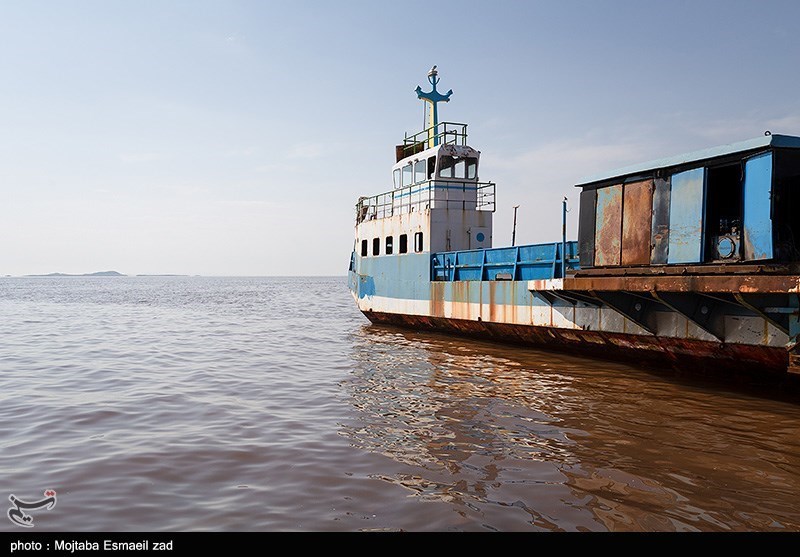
(679, 353)
(531, 313)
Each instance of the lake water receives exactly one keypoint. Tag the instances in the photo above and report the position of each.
(271, 404)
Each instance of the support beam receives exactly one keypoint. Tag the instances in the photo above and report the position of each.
(699, 310)
(582, 297)
(633, 307)
(779, 319)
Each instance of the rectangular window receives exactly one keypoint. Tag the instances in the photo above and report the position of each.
(419, 172)
(472, 168)
(431, 167)
(403, 243)
(459, 170)
(407, 175)
(418, 242)
(389, 245)
(446, 167)
(364, 248)
(396, 177)
(376, 246)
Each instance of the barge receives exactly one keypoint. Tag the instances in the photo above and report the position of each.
(692, 260)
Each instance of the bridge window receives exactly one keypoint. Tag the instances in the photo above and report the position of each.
(472, 168)
(403, 243)
(376, 246)
(389, 245)
(364, 248)
(396, 177)
(458, 168)
(431, 167)
(446, 164)
(418, 242)
(419, 171)
(407, 175)
(455, 167)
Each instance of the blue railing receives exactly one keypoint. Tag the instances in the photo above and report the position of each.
(532, 262)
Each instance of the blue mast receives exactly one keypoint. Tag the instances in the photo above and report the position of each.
(432, 98)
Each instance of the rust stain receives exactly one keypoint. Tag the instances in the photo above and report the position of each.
(493, 308)
(637, 207)
(608, 226)
(460, 299)
(539, 284)
(437, 299)
(695, 354)
(763, 284)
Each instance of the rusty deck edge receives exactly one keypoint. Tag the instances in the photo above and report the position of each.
(758, 284)
(667, 352)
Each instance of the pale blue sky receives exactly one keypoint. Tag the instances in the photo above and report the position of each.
(234, 137)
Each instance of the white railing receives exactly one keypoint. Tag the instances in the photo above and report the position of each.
(431, 194)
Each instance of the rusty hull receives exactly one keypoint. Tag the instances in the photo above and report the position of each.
(686, 354)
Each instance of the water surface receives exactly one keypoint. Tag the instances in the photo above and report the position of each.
(271, 404)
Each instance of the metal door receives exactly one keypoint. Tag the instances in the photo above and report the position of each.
(686, 204)
(608, 226)
(757, 241)
(659, 235)
(637, 209)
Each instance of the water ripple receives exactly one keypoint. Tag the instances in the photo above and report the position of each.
(188, 403)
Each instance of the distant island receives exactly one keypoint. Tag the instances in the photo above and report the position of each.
(97, 274)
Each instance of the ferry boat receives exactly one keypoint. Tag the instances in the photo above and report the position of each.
(692, 260)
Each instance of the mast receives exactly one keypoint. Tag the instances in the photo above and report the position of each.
(432, 98)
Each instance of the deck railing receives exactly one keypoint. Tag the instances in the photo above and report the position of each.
(443, 133)
(530, 262)
(431, 194)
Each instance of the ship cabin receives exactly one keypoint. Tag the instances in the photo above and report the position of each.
(712, 237)
(439, 209)
(724, 209)
(437, 201)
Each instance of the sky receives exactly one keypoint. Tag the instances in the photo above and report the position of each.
(233, 138)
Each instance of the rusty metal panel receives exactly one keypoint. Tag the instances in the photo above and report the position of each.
(659, 233)
(686, 205)
(637, 206)
(608, 226)
(586, 229)
(709, 284)
(758, 207)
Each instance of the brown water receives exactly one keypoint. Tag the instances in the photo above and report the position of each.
(178, 403)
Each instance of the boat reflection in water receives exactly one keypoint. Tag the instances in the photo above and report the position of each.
(514, 439)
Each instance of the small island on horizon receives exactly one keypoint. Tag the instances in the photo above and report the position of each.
(104, 274)
(97, 274)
